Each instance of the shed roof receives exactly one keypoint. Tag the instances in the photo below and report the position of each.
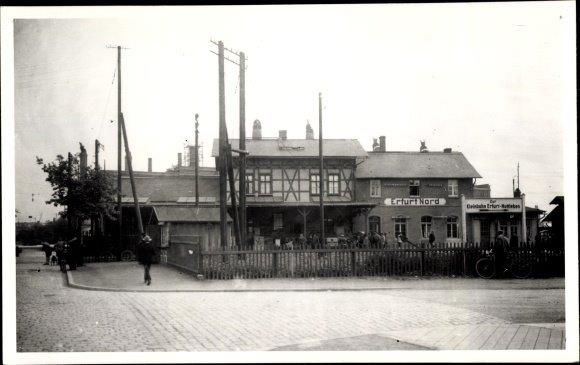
(188, 214)
(297, 147)
(396, 164)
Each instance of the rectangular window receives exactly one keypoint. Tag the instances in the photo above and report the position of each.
(314, 184)
(453, 188)
(333, 184)
(426, 226)
(375, 188)
(265, 184)
(278, 221)
(401, 227)
(452, 227)
(413, 187)
(250, 184)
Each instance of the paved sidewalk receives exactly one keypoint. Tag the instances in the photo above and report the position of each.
(128, 276)
(53, 317)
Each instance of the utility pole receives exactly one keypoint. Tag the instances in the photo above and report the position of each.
(242, 146)
(196, 160)
(222, 148)
(321, 174)
(225, 150)
(119, 146)
(130, 168)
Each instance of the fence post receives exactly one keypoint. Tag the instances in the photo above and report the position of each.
(275, 263)
(353, 262)
(422, 262)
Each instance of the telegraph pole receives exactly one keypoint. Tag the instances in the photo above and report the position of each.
(321, 175)
(119, 145)
(196, 160)
(222, 148)
(242, 146)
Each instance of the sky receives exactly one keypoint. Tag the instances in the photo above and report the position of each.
(493, 81)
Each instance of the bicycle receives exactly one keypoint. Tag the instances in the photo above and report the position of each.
(518, 267)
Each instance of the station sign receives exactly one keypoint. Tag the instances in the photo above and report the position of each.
(417, 202)
(512, 205)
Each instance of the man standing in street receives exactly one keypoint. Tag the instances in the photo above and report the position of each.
(146, 254)
(501, 247)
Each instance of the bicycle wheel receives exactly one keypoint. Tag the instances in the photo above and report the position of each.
(485, 268)
(521, 269)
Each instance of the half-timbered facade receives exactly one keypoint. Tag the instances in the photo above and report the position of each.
(283, 185)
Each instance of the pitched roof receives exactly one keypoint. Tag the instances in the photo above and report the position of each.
(173, 213)
(559, 199)
(297, 147)
(416, 165)
(168, 187)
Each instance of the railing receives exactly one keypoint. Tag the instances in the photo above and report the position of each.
(340, 262)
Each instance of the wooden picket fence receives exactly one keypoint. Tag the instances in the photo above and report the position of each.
(450, 260)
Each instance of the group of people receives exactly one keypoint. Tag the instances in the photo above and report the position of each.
(358, 239)
(67, 253)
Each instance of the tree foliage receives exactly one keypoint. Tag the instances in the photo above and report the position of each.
(89, 195)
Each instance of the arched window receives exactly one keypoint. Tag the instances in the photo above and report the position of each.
(426, 221)
(452, 227)
(375, 224)
(400, 226)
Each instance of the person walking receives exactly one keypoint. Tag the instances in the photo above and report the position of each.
(146, 254)
(61, 253)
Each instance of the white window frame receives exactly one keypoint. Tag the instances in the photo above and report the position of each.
(314, 184)
(250, 187)
(375, 186)
(333, 184)
(266, 183)
(452, 227)
(426, 226)
(400, 222)
(453, 187)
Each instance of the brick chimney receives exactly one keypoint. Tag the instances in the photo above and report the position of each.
(423, 147)
(150, 164)
(257, 130)
(447, 150)
(382, 144)
(309, 131)
(179, 161)
(375, 145)
(283, 134)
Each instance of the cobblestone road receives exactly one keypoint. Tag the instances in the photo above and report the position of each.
(53, 317)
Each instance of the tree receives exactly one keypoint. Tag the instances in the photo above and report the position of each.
(88, 196)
